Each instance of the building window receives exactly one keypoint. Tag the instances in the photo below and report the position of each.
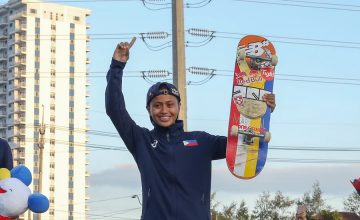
(33, 11)
(77, 18)
(53, 27)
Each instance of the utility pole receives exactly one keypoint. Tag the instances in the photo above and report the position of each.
(179, 71)
(41, 149)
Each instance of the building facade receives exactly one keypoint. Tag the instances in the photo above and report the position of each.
(43, 84)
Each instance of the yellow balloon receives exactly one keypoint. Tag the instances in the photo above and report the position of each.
(4, 173)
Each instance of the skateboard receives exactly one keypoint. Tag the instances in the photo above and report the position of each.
(248, 131)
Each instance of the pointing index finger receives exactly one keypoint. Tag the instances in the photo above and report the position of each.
(132, 41)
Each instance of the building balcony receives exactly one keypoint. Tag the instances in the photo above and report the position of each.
(20, 62)
(19, 98)
(20, 74)
(20, 51)
(3, 68)
(3, 125)
(3, 36)
(20, 133)
(19, 109)
(3, 58)
(18, 84)
(20, 28)
(3, 23)
(19, 121)
(18, 16)
(20, 38)
(19, 152)
(3, 114)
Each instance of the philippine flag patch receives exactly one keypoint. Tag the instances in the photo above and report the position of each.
(190, 143)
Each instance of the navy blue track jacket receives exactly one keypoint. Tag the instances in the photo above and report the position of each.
(175, 166)
(6, 159)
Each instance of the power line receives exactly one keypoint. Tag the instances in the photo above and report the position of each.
(209, 34)
(302, 5)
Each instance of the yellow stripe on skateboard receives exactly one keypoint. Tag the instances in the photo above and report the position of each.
(253, 149)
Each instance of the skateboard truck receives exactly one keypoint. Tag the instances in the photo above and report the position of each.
(256, 61)
(249, 134)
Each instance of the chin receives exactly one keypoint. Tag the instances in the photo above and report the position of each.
(165, 124)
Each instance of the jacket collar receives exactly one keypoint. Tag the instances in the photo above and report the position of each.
(174, 130)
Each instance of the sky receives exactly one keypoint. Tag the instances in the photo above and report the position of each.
(316, 86)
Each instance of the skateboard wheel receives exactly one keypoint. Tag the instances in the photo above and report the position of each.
(267, 136)
(274, 60)
(234, 130)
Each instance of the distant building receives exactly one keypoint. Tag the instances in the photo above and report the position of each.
(43, 79)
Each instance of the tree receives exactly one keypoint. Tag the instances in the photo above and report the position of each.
(228, 212)
(328, 215)
(352, 203)
(281, 206)
(274, 209)
(263, 207)
(314, 201)
(242, 212)
(213, 206)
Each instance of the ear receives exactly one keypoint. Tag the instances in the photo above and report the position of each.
(22, 173)
(148, 109)
(4, 173)
(38, 203)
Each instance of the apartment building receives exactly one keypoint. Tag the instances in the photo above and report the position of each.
(43, 84)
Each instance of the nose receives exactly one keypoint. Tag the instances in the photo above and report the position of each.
(164, 109)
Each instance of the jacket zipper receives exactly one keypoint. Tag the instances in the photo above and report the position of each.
(168, 136)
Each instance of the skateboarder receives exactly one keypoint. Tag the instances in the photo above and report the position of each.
(6, 159)
(175, 166)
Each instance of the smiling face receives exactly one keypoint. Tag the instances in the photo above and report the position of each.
(164, 110)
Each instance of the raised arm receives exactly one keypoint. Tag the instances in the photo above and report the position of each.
(114, 98)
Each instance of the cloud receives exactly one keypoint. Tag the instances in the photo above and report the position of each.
(125, 176)
(334, 180)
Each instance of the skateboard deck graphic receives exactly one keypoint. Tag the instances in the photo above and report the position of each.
(248, 131)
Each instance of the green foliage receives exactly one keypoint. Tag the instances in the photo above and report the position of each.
(352, 203)
(281, 207)
(329, 215)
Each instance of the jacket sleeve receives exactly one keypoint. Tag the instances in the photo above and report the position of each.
(219, 147)
(115, 105)
(7, 158)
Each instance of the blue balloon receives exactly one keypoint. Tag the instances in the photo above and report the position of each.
(38, 203)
